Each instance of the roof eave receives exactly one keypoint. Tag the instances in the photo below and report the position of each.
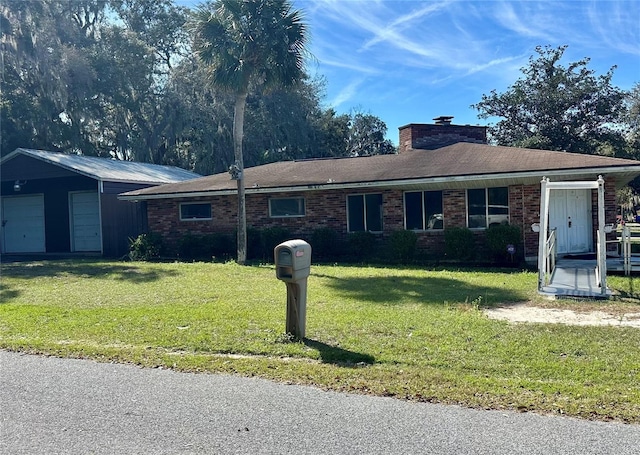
(431, 181)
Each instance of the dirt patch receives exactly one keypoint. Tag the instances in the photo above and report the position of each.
(524, 312)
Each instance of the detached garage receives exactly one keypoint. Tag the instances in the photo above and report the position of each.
(58, 203)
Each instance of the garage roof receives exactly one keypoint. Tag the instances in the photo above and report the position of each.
(107, 169)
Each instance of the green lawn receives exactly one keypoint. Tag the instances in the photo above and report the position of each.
(408, 332)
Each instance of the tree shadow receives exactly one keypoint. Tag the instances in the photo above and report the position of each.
(84, 268)
(397, 290)
(339, 356)
(7, 294)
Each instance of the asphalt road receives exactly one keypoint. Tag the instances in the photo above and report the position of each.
(61, 406)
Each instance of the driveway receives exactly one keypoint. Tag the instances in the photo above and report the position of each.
(50, 405)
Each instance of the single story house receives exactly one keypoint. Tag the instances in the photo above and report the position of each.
(60, 203)
(444, 176)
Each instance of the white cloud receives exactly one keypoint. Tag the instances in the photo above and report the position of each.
(346, 93)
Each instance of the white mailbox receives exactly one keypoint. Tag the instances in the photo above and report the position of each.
(293, 260)
(293, 263)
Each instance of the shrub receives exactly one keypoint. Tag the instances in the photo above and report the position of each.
(272, 237)
(193, 247)
(261, 242)
(326, 243)
(146, 247)
(362, 245)
(254, 243)
(459, 243)
(402, 245)
(208, 246)
(499, 237)
(222, 246)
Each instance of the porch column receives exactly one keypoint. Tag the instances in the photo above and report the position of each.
(602, 238)
(542, 236)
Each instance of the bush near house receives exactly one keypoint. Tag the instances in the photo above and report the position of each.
(261, 242)
(146, 247)
(206, 247)
(402, 245)
(327, 244)
(361, 245)
(459, 243)
(499, 238)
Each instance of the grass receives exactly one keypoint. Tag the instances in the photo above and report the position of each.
(407, 332)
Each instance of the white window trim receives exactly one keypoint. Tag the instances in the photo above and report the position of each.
(486, 207)
(364, 213)
(424, 213)
(194, 219)
(288, 216)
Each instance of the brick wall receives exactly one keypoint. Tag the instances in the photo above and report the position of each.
(434, 136)
(329, 209)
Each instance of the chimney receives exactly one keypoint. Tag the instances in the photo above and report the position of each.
(439, 134)
(443, 120)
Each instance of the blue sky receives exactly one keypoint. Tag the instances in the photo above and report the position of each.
(411, 61)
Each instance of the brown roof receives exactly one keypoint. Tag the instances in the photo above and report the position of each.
(461, 161)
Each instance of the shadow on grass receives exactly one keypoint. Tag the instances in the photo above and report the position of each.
(81, 268)
(339, 356)
(6, 293)
(397, 290)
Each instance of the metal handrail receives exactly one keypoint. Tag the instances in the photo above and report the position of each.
(550, 255)
(626, 250)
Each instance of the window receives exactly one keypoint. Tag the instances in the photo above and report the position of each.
(190, 212)
(423, 210)
(286, 207)
(487, 207)
(364, 212)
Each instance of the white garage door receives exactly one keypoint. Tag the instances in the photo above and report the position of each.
(23, 224)
(85, 222)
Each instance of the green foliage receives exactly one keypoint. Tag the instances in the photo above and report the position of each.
(326, 244)
(402, 245)
(557, 108)
(146, 247)
(362, 245)
(499, 237)
(254, 243)
(206, 247)
(367, 136)
(459, 243)
(261, 242)
(272, 237)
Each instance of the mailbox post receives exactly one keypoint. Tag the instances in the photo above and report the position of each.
(293, 263)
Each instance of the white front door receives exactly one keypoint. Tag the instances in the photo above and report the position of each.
(23, 224)
(570, 215)
(85, 221)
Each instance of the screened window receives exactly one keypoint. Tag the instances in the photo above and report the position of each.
(487, 207)
(364, 212)
(423, 210)
(190, 212)
(286, 207)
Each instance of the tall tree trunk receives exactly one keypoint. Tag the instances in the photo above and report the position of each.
(238, 134)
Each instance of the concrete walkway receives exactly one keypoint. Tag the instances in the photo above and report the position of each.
(50, 405)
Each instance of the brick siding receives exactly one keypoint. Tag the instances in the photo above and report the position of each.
(328, 209)
(431, 137)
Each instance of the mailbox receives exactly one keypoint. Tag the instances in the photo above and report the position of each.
(293, 263)
(293, 260)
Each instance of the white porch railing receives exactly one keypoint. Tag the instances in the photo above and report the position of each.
(550, 256)
(625, 240)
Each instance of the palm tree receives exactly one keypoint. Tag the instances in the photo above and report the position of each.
(245, 42)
